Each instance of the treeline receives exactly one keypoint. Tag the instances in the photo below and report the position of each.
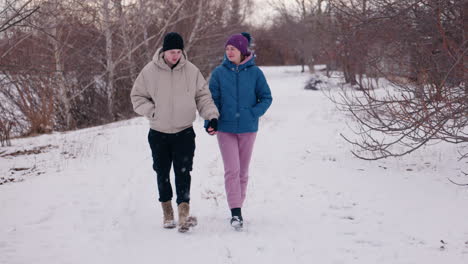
(420, 46)
(415, 39)
(67, 64)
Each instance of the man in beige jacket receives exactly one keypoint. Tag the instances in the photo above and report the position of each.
(168, 91)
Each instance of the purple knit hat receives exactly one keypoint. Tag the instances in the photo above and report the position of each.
(240, 42)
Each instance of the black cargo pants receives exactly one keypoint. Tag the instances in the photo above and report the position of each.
(177, 149)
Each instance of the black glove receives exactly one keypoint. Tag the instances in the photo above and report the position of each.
(213, 123)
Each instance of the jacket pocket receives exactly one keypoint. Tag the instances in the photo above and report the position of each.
(185, 113)
(154, 115)
(228, 113)
(247, 114)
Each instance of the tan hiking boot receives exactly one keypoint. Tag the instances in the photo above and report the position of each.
(185, 221)
(168, 212)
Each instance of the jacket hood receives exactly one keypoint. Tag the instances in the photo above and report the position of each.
(158, 59)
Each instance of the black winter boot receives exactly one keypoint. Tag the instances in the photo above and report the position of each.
(236, 220)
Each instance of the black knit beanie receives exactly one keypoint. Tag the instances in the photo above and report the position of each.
(173, 40)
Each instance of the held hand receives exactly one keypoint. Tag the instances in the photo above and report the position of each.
(212, 127)
(211, 131)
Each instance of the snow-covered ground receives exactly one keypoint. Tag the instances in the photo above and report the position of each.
(89, 196)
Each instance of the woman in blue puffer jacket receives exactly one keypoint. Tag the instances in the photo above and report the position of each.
(242, 95)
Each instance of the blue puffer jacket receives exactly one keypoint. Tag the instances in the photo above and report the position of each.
(241, 94)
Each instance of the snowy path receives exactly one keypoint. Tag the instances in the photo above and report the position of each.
(309, 199)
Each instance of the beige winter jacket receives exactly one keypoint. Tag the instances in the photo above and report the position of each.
(170, 98)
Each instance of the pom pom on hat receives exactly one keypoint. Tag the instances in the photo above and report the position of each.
(247, 36)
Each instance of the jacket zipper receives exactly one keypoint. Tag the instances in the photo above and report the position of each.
(238, 107)
(172, 100)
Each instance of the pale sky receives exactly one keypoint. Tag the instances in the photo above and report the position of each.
(262, 10)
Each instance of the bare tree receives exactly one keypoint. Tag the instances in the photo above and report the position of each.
(14, 12)
(196, 26)
(428, 100)
(33, 97)
(303, 25)
(110, 65)
(88, 54)
(297, 21)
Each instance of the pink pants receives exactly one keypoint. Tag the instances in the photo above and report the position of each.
(236, 150)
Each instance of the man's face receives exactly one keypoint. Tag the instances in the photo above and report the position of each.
(172, 56)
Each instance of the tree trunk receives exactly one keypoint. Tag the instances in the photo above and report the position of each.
(109, 60)
(465, 40)
(235, 19)
(126, 37)
(319, 7)
(144, 23)
(196, 27)
(302, 60)
(63, 92)
(349, 68)
(118, 7)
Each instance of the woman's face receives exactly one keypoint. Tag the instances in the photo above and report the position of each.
(233, 54)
